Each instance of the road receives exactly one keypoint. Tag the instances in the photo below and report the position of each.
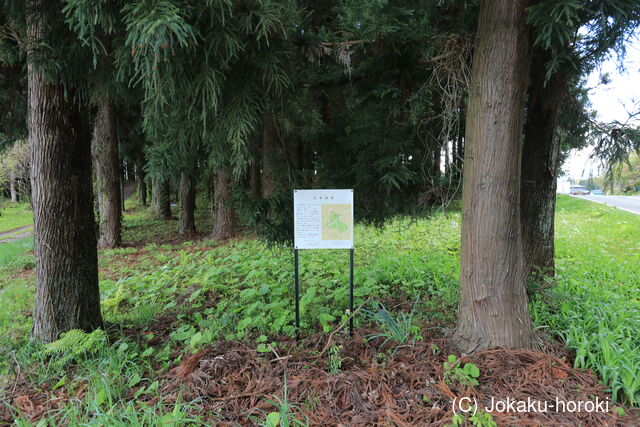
(628, 203)
(16, 234)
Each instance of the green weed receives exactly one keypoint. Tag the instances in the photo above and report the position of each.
(463, 376)
(399, 329)
(14, 215)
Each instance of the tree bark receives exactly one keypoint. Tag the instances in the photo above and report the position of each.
(188, 194)
(13, 188)
(434, 172)
(164, 199)
(493, 303)
(142, 185)
(155, 196)
(107, 163)
(224, 214)
(540, 156)
(458, 161)
(121, 183)
(255, 177)
(272, 157)
(67, 293)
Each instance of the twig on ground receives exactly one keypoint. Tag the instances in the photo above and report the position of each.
(326, 346)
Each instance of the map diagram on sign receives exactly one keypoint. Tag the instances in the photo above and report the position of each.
(336, 222)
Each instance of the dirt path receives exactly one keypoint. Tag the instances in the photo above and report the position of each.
(130, 188)
(11, 236)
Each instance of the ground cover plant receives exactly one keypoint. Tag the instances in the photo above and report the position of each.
(14, 216)
(595, 306)
(175, 310)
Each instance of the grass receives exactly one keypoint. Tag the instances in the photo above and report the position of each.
(596, 306)
(241, 290)
(13, 254)
(14, 215)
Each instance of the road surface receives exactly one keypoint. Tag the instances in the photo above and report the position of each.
(16, 234)
(627, 203)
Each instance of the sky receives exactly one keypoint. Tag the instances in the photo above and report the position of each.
(610, 101)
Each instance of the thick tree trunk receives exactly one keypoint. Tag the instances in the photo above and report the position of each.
(164, 200)
(493, 303)
(458, 160)
(224, 214)
(160, 200)
(13, 188)
(272, 157)
(107, 163)
(142, 185)
(540, 156)
(188, 194)
(255, 176)
(67, 294)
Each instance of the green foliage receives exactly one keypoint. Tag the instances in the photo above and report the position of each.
(242, 290)
(463, 376)
(13, 255)
(284, 414)
(252, 285)
(625, 176)
(399, 329)
(607, 24)
(13, 216)
(14, 165)
(335, 359)
(595, 308)
(75, 344)
(476, 418)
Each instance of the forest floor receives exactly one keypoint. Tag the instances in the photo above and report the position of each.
(15, 221)
(200, 332)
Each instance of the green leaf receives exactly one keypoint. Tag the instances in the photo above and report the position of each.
(273, 419)
(471, 370)
(262, 348)
(135, 380)
(60, 383)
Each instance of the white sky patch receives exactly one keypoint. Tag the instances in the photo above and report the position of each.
(614, 101)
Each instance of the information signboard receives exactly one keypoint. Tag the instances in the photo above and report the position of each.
(323, 219)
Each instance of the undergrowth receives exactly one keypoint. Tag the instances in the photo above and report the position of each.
(14, 215)
(241, 290)
(595, 306)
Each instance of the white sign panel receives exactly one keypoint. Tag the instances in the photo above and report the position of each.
(323, 219)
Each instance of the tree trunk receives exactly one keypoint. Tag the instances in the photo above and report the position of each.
(67, 293)
(155, 196)
(107, 164)
(122, 182)
(188, 194)
(540, 156)
(13, 187)
(224, 214)
(255, 177)
(435, 165)
(493, 303)
(164, 199)
(271, 154)
(459, 145)
(142, 185)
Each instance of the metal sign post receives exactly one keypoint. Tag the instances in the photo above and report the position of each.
(297, 290)
(323, 219)
(351, 291)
